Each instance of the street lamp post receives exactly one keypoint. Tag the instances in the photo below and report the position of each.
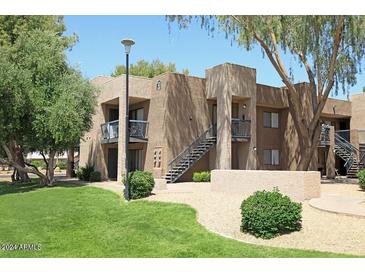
(128, 43)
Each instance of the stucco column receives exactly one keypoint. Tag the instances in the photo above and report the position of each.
(331, 160)
(354, 138)
(224, 135)
(252, 150)
(121, 135)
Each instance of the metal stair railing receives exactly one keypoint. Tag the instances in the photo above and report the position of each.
(185, 155)
(350, 150)
(361, 162)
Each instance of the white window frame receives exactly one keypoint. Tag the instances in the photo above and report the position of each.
(274, 119)
(274, 155)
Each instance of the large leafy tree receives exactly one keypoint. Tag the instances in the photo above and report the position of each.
(45, 105)
(147, 69)
(11, 27)
(330, 48)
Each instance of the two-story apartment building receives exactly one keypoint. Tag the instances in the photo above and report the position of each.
(179, 124)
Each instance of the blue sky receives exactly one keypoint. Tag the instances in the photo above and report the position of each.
(99, 49)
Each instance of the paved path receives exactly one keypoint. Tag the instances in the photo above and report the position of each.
(341, 202)
(323, 231)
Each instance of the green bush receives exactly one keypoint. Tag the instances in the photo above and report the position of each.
(361, 176)
(141, 184)
(62, 164)
(203, 176)
(95, 176)
(268, 214)
(83, 173)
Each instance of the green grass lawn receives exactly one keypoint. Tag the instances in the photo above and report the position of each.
(81, 221)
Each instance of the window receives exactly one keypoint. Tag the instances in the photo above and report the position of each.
(271, 157)
(113, 114)
(135, 159)
(136, 114)
(157, 155)
(271, 119)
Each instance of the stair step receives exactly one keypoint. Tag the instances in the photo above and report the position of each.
(193, 155)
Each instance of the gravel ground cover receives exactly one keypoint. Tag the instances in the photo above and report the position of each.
(322, 231)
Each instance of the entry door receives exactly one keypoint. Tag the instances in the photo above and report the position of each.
(113, 163)
(137, 114)
(113, 114)
(214, 119)
(135, 160)
(214, 114)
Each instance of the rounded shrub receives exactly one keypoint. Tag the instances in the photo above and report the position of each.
(141, 184)
(268, 214)
(203, 176)
(83, 173)
(361, 176)
(95, 176)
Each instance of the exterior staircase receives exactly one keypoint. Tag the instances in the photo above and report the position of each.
(190, 155)
(350, 154)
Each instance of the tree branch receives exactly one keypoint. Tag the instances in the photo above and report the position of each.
(13, 163)
(33, 166)
(331, 72)
(295, 107)
(319, 79)
(311, 78)
(44, 159)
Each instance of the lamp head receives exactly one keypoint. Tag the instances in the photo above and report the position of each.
(128, 43)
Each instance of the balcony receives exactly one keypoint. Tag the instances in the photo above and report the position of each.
(240, 129)
(324, 138)
(137, 131)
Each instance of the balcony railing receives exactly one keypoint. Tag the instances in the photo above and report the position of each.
(109, 131)
(241, 128)
(137, 129)
(324, 138)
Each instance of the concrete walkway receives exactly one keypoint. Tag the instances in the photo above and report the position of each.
(341, 202)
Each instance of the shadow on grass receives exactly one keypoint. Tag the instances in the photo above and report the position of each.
(20, 187)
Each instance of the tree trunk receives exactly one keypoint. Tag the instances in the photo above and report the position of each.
(31, 169)
(51, 168)
(18, 157)
(23, 176)
(307, 150)
(70, 163)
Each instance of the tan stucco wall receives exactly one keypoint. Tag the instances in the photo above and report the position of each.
(156, 126)
(285, 138)
(358, 111)
(337, 108)
(91, 150)
(111, 93)
(298, 185)
(273, 142)
(232, 86)
(271, 96)
(186, 114)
